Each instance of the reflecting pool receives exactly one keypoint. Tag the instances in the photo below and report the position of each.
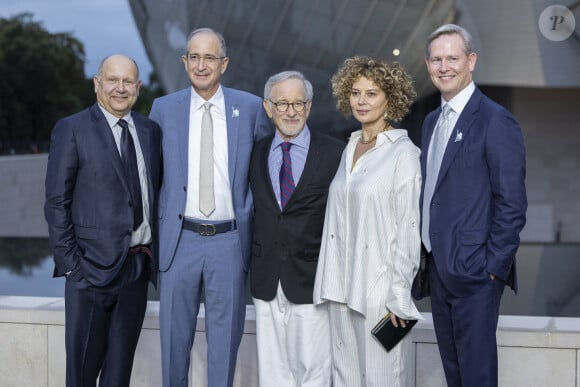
(547, 277)
(26, 267)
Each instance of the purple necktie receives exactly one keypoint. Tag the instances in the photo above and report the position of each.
(129, 156)
(286, 179)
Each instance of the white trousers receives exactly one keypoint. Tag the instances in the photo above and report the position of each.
(293, 343)
(358, 359)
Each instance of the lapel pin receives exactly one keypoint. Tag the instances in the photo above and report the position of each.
(459, 137)
(235, 112)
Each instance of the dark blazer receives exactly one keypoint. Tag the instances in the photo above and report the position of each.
(88, 204)
(286, 243)
(479, 203)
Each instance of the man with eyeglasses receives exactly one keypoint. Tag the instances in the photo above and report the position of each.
(205, 211)
(102, 181)
(290, 173)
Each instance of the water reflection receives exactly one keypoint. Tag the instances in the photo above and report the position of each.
(26, 267)
(21, 255)
(547, 277)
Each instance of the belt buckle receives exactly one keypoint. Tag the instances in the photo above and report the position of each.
(206, 229)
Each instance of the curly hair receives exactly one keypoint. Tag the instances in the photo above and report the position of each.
(391, 77)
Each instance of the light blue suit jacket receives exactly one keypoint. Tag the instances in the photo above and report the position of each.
(479, 203)
(246, 123)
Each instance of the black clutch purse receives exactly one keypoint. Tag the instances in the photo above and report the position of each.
(389, 335)
(421, 287)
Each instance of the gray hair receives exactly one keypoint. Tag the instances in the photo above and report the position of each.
(449, 29)
(283, 76)
(220, 37)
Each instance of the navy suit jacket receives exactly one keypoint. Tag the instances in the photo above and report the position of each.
(479, 203)
(246, 122)
(88, 203)
(286, 242)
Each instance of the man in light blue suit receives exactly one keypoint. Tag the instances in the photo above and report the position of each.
(473, 209)
(205, 243)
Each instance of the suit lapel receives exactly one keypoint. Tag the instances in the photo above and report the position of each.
(264, 170)
(232, 112)
(463, 126)
(145, 144)
(182, 126)
(310, 164)
(310, 169)
(105, 135)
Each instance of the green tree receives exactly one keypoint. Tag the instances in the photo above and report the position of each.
(42, 80)
(147, 94)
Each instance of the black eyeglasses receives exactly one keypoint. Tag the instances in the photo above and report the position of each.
(282, 106)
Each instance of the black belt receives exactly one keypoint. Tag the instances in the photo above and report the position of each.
(140, 249)
(209, 229)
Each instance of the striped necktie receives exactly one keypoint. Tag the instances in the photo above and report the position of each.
(286, 179)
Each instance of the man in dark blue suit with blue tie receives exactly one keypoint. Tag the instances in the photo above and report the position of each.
(473, 209)
(102, 180)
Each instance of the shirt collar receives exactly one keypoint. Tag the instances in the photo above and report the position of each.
(217, 100)
(302, 140)
(458, 102)
(112, 119)
(393, 135)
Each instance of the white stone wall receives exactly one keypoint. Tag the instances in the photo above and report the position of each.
(533, 351)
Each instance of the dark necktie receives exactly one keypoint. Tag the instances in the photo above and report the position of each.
(129, 157)
(286, 179)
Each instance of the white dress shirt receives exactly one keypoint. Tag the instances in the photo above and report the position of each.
(371, 231)
(224, 208)
(141, 236)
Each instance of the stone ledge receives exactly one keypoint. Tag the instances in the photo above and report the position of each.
(532, 350)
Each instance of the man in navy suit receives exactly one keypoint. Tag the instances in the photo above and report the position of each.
(473, 209)
(292, 334)
(205, 247)
(101, 231)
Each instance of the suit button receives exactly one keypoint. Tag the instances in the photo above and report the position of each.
(180, 216)
(184, 189)
(130, 204)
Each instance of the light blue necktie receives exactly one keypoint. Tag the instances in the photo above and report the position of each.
(206, 194)
(435, 154)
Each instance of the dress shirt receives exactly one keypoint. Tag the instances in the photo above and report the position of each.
(458, 103)
(298, 154)
(224, 209)
(141, 236)
(371, 241)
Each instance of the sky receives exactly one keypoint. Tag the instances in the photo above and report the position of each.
(103, 26)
